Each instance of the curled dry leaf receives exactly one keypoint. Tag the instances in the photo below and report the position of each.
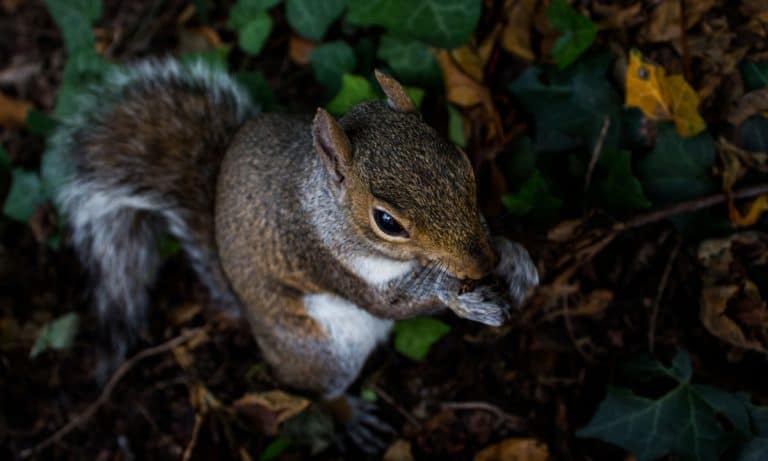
(729, 299)
(755, 210)
(400, 450)
(464, 91)
(267, 410)
(13, 112)
(515, 449)
(752, 103)
(714, 302)
(617, 15)
(516, 35)
(664, 25)
(756, 9)
(300, 49)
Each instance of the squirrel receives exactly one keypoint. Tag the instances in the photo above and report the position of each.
(320, 231)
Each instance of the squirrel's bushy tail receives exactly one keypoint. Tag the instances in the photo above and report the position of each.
(143, 152)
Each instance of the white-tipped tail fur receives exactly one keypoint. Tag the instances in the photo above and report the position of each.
(114, 219)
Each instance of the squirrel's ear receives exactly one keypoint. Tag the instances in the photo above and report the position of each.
(397, 98)
(332, 144)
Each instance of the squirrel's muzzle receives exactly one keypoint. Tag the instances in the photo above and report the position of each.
(476, 262)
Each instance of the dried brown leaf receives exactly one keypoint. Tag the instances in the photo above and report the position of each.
(515, 449)
(13, 112)
(400, 450)
(267, 410)
(516, 35)
(752, 103)
(300, 49)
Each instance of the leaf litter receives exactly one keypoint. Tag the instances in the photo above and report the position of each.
(570, 142)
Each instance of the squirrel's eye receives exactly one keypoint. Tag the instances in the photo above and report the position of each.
(388, 224)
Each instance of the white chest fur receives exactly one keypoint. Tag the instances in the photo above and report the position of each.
(353, 331)
(378, 270)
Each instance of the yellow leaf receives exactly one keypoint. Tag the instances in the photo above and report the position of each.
(754, 211)
(646, 89)
(684, 103)
(514, 449)
(662, 97)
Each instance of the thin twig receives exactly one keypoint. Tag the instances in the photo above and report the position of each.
(391, 402)
(199, 418)
(572, 333)
(89, 412)
(684, 42)
(596, 152)
(688, 206)
(513, 421)
(660, 294)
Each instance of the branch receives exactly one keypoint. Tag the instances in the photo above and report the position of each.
(89, 412)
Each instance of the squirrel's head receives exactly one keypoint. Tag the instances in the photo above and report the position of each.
(410, 193)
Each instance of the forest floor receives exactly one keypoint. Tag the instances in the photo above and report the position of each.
(616, 285)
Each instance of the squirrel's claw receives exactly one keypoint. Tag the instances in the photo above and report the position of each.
(367, 431)
(516, 269)
(483, 304)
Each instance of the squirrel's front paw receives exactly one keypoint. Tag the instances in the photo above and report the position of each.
(483, 304)
(516, 269)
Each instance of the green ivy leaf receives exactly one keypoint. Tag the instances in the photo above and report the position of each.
(755, 74)
(534, 197)
(456, 126)
(578, 33)
(410, 60)
(678, 168)
(40, 123)
(25, 196)
(679, 422)
(330, 61)
(5, 160)
(75, 18)
(571, 107)
(619, 188)
(754, 450)
(252, 36)
(416, 95)
(275, 448)
(442, 23)
(57, 334)
(311, 18)
(258, 88)
(520, 164)
(245, 11)
(754, 134)
(82, 69)
(683, 421)
(414, 337)
(354, 90)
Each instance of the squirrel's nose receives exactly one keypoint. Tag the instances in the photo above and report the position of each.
(481, 261)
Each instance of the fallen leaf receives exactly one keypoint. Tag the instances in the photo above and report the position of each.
(469, 61)
(714, 301)
(464, 91)
(13, 112)
(514, 449)
(730, 301)
(752, 103)
(664, 23)
(756, 9)
(662, 97)
(617, 15)
(593, 304)
(516, 35)
(267, 410)
(10, 6)
(300, 49)
(754, 211)
(400, 450)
